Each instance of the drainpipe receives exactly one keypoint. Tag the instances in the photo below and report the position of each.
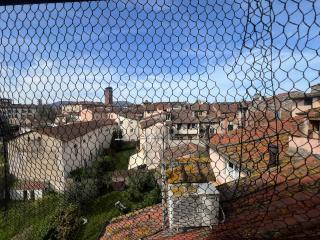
(163, 178)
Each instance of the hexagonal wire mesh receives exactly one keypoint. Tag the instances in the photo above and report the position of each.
(160, 119)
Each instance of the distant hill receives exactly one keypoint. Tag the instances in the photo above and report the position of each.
(116, 103)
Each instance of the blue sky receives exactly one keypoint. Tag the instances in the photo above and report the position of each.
(160, 50)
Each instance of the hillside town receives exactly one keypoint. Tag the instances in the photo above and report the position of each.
(211, 157)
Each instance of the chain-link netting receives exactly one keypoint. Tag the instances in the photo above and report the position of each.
(160, 119)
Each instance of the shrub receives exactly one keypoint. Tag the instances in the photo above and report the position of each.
(65, 224)
(102, 165)
(81, 192)
(80, 174)
(139, 183)
(152, 197)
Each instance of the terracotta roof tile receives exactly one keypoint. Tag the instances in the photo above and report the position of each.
(276, 205)
(29, 185)
(152, 120)
(73, 130)
(136, 225)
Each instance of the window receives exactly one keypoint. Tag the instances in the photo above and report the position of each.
(278, 115)
(308, 101)
(230, 165)
(193, 125)
(39, 141)
(25, 194)
(75, 149)
(316, 126)
(179, 126)
(230, 126)
(189, 125)
(32, 195)
(231, 170)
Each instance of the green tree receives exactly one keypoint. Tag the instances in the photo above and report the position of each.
(139, 183)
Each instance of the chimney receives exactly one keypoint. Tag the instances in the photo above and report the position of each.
(273, 155)
(108, 96)
(257, 96)
(39, 101)
(192, 205)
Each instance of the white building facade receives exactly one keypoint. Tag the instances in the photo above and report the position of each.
(50, 154)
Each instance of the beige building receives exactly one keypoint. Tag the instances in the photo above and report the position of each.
(129, 125)
(305, 101)
(154, 138)
(93, 113)
(50, 153)
(307, 134)
(75, 112)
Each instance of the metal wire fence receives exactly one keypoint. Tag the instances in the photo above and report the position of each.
(160, 119)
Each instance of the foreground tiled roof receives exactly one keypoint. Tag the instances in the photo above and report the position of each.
(147, 224)
(136, 225)
(283, 204)
(201, 233)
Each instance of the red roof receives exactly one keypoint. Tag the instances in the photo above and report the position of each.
(147, 224)
(73, 130)
(284, 205)
(29, 185)
(136, 225)
(290, 126)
